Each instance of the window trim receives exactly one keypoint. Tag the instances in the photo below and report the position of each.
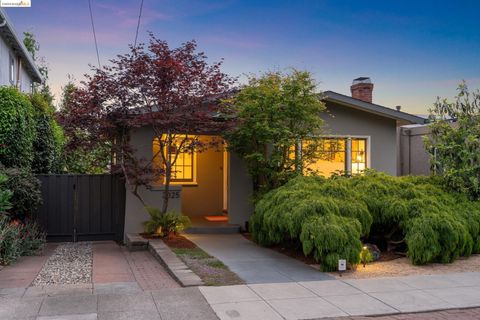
(185, 182)
(174, 182)
(11, 68)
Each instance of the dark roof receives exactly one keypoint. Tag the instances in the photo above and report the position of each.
(372, 108)
(11, 38)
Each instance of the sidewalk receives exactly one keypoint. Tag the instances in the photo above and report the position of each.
(341, 298)
(166, 304)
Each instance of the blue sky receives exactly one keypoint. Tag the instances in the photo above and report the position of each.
(412, 50)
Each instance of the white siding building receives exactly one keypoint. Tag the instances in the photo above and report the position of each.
(17, 67)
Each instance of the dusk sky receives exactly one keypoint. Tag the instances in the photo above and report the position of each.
(412, 50)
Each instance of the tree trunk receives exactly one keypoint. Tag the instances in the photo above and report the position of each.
(166, 192)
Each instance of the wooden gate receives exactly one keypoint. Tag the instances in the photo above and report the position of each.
(82, 207)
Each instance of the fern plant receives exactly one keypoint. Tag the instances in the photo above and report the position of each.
(169, 222)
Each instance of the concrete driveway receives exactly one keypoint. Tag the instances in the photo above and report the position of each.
(255, 264)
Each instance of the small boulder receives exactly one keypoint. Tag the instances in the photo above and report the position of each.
(374, 250)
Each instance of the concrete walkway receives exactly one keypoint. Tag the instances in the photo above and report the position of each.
(253, 263)
(337, 298)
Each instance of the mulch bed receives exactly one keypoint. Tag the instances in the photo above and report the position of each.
(211, 270)
(179, 242)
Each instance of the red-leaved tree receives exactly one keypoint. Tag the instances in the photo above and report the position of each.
(175, 92)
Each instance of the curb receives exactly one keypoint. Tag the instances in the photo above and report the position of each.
(177, 269)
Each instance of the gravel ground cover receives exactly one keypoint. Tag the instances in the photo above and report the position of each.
(403, 267)
(70, 263)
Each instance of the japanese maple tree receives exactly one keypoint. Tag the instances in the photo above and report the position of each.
(173, 91)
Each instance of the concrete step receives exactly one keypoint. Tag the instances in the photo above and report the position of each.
(223, 229)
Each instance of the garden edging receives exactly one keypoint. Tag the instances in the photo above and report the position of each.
(177, 269)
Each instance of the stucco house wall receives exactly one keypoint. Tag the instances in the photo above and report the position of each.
(240, 195)
(135, 213)
(381, 131)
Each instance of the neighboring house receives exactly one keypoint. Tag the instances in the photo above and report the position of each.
(17, 67)
(358, 135)
(413, 156)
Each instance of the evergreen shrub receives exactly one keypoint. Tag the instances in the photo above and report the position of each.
(330, 218)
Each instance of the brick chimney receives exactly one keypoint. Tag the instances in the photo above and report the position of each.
(362, 89)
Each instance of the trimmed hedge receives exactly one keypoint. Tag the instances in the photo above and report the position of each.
(17, 128)
(329, 217)
(25, 192)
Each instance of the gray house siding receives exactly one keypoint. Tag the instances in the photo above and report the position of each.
(240, 195)
(25, 81)
(382, 133)
(22, 78)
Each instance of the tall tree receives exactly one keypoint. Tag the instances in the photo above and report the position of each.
(171, 91)
(274, 113)
(454, 144)
(33, 46)
(86, 151)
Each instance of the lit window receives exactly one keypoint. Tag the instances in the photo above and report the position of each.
(330, 157)
(184, 166)
(359, 155)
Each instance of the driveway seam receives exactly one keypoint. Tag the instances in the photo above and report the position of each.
(156, 306)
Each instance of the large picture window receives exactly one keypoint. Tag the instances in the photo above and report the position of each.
(332, 156)
(329, 157)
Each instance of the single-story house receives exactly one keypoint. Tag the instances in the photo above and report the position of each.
(214, 184)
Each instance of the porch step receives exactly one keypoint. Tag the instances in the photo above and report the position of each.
(223, 229)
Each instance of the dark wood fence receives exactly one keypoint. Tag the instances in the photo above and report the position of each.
(82, 207)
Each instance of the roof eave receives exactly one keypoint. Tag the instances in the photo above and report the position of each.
(372, 108)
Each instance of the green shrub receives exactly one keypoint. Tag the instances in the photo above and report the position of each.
(44, 142)
(25, 188)
(32, 238)
(17, 128)
(329, 217)
(10, 240)
(170, 222)
(5, 194)
(330, 238)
